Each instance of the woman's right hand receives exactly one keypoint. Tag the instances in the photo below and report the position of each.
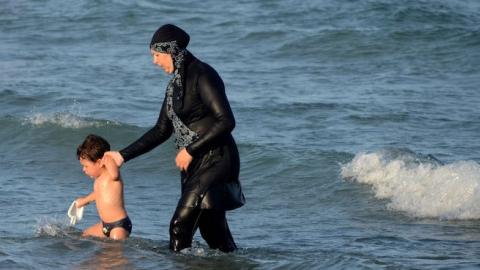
(117, 157)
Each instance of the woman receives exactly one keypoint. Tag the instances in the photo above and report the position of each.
(197, 112)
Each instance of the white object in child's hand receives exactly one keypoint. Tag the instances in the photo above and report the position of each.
(75, 214)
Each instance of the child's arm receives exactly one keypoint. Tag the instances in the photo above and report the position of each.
(85, 200)
(111, 167)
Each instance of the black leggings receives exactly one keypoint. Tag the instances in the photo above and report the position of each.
(212, 224)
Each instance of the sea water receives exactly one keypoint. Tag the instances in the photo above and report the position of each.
(357, 125)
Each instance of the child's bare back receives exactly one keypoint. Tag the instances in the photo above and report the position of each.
(109, 196)
(107, 190)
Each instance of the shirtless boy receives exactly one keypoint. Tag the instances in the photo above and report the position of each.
(107, 190)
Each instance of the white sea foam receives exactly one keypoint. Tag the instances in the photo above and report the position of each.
(422, 189)
(65, 120)
(51, 227)
(71, 116)
(197, 250)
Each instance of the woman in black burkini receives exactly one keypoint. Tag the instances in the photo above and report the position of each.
(196, 111)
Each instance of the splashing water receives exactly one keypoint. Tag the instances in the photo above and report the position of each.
(52, 227)
(71, 117)
(65, 120)
(421, 189)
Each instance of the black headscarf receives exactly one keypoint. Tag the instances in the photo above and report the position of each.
(173, 40)
(170, 32)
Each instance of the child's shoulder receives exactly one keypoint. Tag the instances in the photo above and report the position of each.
(107, 176)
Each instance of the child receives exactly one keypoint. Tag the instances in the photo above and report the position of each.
(107, 190)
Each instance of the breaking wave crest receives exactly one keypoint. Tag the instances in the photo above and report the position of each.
(65, 120)
(419, 185)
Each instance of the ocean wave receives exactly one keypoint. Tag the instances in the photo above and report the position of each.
(58, 130)
(419, 185)
(66, 120)
(14, 264)
(427, 12)
(394, 117)
(292, 107)
(10, 97)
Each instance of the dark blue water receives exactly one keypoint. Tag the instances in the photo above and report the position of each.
(357, 125)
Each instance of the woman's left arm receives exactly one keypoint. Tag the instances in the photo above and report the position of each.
(212, 93)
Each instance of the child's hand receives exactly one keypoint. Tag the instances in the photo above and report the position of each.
(79, 202)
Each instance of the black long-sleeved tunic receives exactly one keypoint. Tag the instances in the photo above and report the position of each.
(214, 171)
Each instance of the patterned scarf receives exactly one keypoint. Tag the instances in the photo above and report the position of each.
(183, 135)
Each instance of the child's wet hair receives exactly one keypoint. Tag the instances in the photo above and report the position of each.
(93, 148)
